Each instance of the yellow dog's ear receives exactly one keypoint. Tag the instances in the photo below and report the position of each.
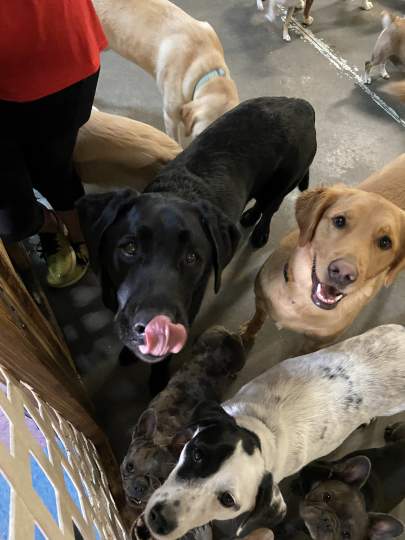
(309, 209)
(189, 117)
(399, 261)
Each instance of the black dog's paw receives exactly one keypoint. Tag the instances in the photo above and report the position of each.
(159, 376)
(250, 217)
(304, 184)
(368, 424)
(259, 236)
(127, 357)
(394, 432)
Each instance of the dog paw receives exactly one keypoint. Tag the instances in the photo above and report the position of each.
(367, 6)
(368, 424)
(308, 20)
(385, 75)
(367, 79)
(286, 37)
(250, 217)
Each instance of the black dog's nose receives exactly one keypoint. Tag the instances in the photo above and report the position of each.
(342, 272)
(157, 521)
(139, 333)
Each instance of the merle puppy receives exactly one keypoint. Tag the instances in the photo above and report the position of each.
(154, 251)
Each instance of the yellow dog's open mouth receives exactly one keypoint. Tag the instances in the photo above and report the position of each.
(323, 295)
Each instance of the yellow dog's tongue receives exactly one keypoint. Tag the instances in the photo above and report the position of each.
(163, 337)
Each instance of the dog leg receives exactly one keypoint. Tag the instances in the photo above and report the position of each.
(286, 35)
(383, 71)
(251, 216)
(367, 72)
(394, 432)
(260, 5)
(249, 329)
(366, 5)
(271, 11)
(304, 184)
(300, 4)
(308, 20)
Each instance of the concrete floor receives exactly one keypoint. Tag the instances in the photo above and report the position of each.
(355, 137)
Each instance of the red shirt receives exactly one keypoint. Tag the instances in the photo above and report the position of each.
(47, 45)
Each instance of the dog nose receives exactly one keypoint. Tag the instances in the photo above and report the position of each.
(342, 272)
(139, 486)
(326, 523)
(157, 521)
(139, 333)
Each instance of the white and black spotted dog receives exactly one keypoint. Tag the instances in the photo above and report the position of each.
(295, 412)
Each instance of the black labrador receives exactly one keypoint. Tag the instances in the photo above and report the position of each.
(155, 251)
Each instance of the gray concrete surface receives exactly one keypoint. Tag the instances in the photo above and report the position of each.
(355, 138)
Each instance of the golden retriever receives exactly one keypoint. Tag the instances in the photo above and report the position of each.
(184, 55)
(114, 151)
(350, 243)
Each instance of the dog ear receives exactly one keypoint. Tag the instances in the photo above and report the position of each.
(97, 212)
(383, 526)
(353, 471)
(209, 412)
(309, 209)
(223, 234)
(264, 513)
(146, 426)
(317, 471)
(399, 262)
(188, 114)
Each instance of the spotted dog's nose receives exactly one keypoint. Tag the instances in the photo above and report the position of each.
(159, 521)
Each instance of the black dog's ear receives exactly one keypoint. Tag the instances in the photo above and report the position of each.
(383, 526)
(353, 471)
(223, 234)
(146, 426)
(208, 413)
(317, 471)
(97, 212)
(266, 513)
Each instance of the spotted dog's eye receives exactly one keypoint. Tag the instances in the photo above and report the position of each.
(191, 258)
(339, 221)
(129, 248)
(197, 455)
(346, 534)
(326, 497)
(226, 499)
(385, 242)
(129, 467)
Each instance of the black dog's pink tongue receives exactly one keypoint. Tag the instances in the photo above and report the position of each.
(163, 337)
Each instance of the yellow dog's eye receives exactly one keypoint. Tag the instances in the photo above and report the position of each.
(385, 242)
(129, 248)
(339, 221)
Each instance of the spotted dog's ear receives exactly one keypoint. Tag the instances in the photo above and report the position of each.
(208, 413)
(146, 426)
(269, 509)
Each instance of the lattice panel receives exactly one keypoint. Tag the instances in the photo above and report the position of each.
(52, 485)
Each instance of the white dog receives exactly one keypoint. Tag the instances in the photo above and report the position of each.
(295, 412)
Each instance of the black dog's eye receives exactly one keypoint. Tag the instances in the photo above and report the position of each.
(191, 258)
(226, 499)
(385, 242)
(129, 248)
(197, 456)
(326, 497)
(339, 221)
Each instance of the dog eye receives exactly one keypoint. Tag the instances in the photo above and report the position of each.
(385, 242)
(226, 499)
(129, 467)
(326, 497)
(191, 258)
(129, 248)
(339, 221)
(197, 456)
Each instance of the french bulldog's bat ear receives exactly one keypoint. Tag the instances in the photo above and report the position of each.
(317, 471)
(146, 426)
(353, 471)
(383, 526)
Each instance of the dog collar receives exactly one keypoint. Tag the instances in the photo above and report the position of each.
(207, 77)
(285, 272)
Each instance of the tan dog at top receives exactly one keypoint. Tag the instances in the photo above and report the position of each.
(350, 243)
(184, 55)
